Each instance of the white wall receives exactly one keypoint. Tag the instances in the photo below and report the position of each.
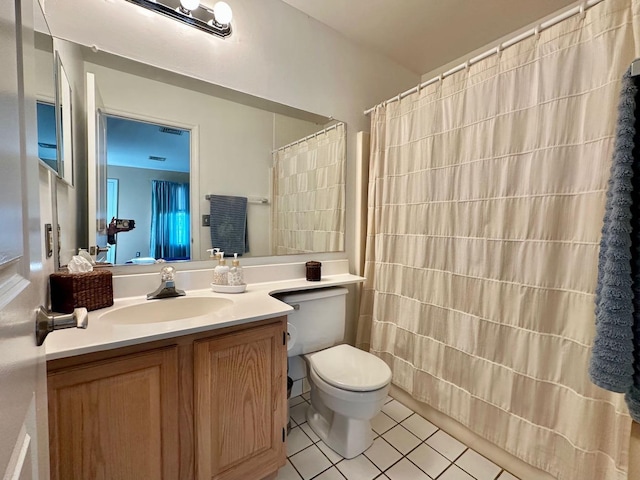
(276, 52)
(45, 89)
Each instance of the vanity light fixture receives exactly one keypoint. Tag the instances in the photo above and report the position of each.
(216, 20)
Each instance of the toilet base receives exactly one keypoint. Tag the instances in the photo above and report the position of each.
(348, 437)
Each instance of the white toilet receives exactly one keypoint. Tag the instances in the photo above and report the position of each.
(348, 385)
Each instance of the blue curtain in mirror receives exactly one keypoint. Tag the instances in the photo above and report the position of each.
(170, 237)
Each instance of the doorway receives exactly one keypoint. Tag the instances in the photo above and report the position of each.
(150, 163)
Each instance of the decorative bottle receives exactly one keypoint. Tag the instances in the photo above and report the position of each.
(236, 276)
(221, 272)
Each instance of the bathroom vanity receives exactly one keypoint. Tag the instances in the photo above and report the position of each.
(207, 405)
(144, 394)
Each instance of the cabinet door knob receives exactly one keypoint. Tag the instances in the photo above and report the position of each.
(48, 322)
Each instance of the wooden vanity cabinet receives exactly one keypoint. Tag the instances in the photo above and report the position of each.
(115, 418)
(239, 404)
(204, 406)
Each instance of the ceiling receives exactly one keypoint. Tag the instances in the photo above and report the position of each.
(422, 35)
(131, 143)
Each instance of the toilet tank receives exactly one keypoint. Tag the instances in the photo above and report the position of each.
(318, 320)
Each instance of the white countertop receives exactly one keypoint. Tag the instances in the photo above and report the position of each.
(253, 305)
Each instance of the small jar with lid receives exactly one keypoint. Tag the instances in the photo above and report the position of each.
(313, 271)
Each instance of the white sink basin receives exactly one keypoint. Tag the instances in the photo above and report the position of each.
(165, 310)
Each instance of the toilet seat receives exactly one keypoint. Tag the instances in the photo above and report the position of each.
(350, 368)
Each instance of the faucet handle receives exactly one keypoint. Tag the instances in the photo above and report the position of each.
(167, 273)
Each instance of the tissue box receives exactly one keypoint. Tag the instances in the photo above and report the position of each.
(92, 290)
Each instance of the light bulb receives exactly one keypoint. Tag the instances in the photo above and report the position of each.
(222, 12)
(190, 4)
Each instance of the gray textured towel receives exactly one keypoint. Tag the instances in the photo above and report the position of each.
(228, 223)
(615, 360)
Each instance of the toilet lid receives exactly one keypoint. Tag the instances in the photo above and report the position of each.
(350, 368)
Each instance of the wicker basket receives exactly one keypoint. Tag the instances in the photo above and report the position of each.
(92, 290)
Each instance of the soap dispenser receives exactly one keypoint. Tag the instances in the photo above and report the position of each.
(221, 272)
(236, 276)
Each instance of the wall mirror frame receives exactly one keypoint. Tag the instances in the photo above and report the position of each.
(223, 112)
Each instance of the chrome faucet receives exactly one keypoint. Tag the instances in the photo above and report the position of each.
(167, 288)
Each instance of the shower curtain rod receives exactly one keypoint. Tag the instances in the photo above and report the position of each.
(580, 9)
(308, 137)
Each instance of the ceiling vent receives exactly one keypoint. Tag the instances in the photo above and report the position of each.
(171, 131)
(157, 159)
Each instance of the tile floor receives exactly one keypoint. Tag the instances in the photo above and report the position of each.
(406, 447)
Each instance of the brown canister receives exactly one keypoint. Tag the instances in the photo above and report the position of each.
(313, 271)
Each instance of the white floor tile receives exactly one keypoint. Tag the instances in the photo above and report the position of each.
(310, 462)
(332, 474)
(388, 399)
(476, 465)
(381, 423)
(455, 473)
(401, 432)
(396, 410)
(299, 413)
(333, 456)
(419, 426)
(405, 470)
(359, 468)
(507, 476)
(402, 439)
(429, 461)
(382, 454)
(287, 473)
(293, 401)
(446, 445)
(296, 441)
(310, 433)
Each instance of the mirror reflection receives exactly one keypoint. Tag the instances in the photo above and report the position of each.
(147, 191)
(45, 93)
(247, 194)
(47, 141)
(63, 123)
(53, 103)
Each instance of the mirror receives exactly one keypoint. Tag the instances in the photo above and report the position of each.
(53, 103)
(45, 93)
(64, 129)
(293, 195)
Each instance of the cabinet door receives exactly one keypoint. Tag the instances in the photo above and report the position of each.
(116, 419)
(240, 395)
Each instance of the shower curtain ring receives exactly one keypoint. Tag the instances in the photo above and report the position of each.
(536, 31)
(583, 10)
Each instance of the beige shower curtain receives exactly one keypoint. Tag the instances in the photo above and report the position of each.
(308, 194)
(486, 198)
